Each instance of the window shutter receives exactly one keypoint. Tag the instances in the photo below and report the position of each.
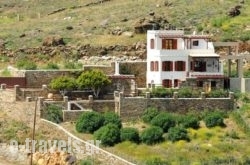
(163, 43)
(184, 66)
(156, 66)
(175, 44)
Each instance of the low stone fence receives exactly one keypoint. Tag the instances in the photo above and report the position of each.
(133, 107)
(73, 109)
(89, 149)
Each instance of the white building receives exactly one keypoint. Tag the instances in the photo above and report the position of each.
(174, 57)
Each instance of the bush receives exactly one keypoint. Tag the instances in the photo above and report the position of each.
(130, 134)
(185, 92)
(214, 119)
(189, 121)
(108, 135)
(163, 120)
(149, 114)
(89, 122)
(156, 161)
(152, 135)
(111, 117)
(26, 64)
(54, 114)
(52, 66)
(218, 93)
(162, 92)
(177, 133)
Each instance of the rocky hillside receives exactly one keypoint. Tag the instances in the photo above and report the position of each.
(55, 30)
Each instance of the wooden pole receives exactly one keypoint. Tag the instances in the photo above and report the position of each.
(33, 133)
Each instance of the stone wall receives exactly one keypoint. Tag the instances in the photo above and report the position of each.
(133, 107)
(72, 113)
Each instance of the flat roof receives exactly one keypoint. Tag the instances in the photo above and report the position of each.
(204, 55)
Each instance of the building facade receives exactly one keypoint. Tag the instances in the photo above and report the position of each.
(174, 58)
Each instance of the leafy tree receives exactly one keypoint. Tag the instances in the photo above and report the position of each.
(93, 79)
(89, 122)
(108, 134)
(111, 117)
(63, 84)
(130, 134)
(152, 135)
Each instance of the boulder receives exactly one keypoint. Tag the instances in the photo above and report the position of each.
(53, 41)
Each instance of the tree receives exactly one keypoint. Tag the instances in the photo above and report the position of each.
(93, 79)
(63, 84)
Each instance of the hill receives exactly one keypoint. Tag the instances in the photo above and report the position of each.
(27, 24)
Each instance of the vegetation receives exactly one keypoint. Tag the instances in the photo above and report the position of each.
(152, 135)
(149, 114)
(111, 117)
(164, 120)
(214, 119)
(93, 79)
(54, 113)
(26, 64)
(108, 134)
(130, 134)
(63, 84)
(89, 122)
(189, 121)
(177, 133)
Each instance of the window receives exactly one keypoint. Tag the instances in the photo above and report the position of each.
(169, 44)
(180, 66)
(167, 66)
(167, 83)
(199, 83)
(176, 82)
(152, 67)
(152, 43)
(156, 66)
(213, 84)
(196, 43)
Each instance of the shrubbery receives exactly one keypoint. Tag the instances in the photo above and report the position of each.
(108, 134)
(111, 117)
(214, 119)
(177, 133)
(54, 114)
(152, 135)
(149, 114)
(189, 121)
(156, 161)
(89, 122)
(217, 93)
(163, 120)
(162, 92)
(129, 134)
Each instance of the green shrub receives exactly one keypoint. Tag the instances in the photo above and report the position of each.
(214, 119)
(89, 122)
(130, 134)
(185, 92)
(149, 114)
(54, 113)
(26, 64)
(218, 93)
(162, 92)
(177, 133)
(152, 135)
(72, 65)
(52, 66)
(163, 120)
(109, 135)
(156, 161)
(111, 117)
(189, 121)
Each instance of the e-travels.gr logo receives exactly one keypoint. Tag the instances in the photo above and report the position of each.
(70, 146)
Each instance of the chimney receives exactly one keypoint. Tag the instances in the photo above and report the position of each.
(117, 68)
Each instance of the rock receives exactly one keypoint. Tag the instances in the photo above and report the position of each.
(128, 34)
(53, 41)
(22, 35)
(151, 13)
(69, 27)
(235, 11)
